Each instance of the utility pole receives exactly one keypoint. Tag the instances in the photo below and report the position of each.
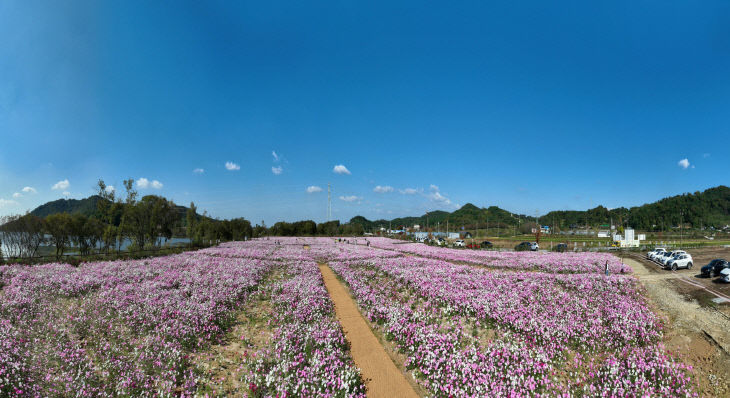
(329, 202)
(681, 226)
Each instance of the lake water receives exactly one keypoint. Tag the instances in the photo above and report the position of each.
(126, 243)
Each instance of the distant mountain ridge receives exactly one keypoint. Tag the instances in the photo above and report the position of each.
(87, 206)
(708, 208)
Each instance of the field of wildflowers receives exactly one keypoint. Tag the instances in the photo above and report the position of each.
(524, 324)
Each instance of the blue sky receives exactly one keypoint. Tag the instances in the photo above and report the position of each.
(530, 106)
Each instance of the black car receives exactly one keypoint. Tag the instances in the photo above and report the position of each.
(561, 247)
(524, 246)
(714, 267)
(486, 244)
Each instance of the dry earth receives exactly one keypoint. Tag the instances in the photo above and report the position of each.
(698, 334)
(382, 377)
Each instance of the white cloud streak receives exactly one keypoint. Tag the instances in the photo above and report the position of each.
(435, 195)
(383, 189)
(351, 198)
(277, 170)
(409, 191)
(7, 203)
(230, 166)
(29, 190)
(341, 169)
(144, 183)
(684, 163)
(17, 195)
(313, 189)
(61, 185)
(198, 171)
(276, 157)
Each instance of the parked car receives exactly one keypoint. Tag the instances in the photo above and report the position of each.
(659, 258)
(680, 261)
(667, 257)
(534, 246)
(725, 275)
(459, 243)
(486, 244)
(675, 254)
(714, 267)
(441, 241)
(655, 252)
(523, 246)
(561, 247)
(473, 246)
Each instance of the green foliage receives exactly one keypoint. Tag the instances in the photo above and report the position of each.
(708, 208)
(87, 207)
(58, 226)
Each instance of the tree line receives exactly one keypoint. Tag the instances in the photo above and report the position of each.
(144, 222)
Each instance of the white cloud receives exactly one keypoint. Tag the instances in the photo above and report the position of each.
(232, 166)
(409, 191)
(144, 183)
(705, 155)
(277, 170)
(276, 157)
(684, 163)
(7, 203)
(341, 169)
(436, 196)
(351, 198)
(383, 189)
(109, 188)
(66, 193)
(198, 171)
(61, 185)
(17, 195)
(313, 189)
(29, 190)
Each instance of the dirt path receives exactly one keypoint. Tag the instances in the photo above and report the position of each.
(699, 334)
(382, 377)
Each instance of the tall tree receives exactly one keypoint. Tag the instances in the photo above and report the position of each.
(191, 216)
(58, 227)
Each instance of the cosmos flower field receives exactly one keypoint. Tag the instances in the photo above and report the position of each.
(468, 323)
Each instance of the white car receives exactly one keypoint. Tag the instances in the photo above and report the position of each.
(659, 257)
(534, 246)
(669, 256)
(652, 254)
(675, 254)
(680, 261)
(725, 275)
(459, 243)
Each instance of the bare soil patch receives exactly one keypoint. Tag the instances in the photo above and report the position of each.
(382, 377)
(224, 364)
(698, 334)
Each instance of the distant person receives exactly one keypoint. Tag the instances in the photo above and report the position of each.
(606, 267)
(368, 243)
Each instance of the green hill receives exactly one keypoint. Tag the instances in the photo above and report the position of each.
(708, 208)
(87, 207)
